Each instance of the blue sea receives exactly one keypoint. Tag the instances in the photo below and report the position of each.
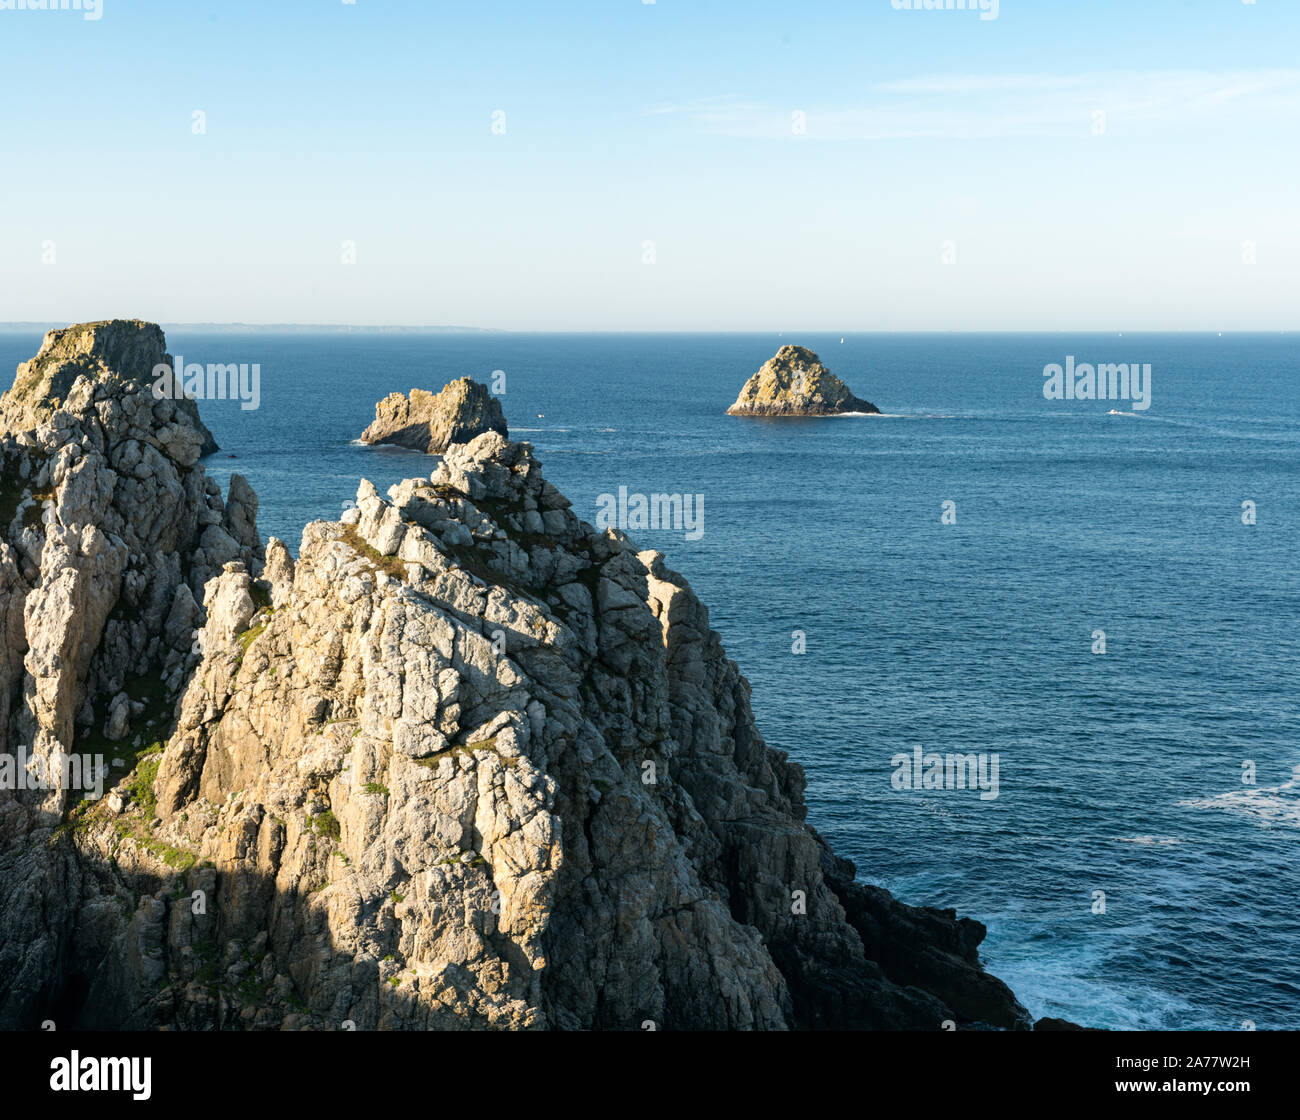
(1119, 772)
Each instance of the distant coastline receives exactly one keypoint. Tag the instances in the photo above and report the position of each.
(282, 328)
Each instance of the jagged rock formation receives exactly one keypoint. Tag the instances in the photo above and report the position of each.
(466, 762)
(433, 422)
(119, 349)
(109, 530)
(795, 383)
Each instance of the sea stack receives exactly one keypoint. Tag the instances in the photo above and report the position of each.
(432, 422)
(795, 383)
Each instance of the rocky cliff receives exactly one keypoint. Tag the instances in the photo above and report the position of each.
(465, 763)
(122, 350)
(432, 422)
(795, 383)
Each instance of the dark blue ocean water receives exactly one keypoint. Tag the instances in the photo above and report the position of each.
(1118, 772)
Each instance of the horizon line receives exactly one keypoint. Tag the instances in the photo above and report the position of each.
(395, 328)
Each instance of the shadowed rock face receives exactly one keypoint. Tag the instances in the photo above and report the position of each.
(109, 530)
(466, 762)
(432, 422)
(795, 383)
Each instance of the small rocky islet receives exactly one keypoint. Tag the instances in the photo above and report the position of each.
(795, 383)
(432, 422)
(465, 762)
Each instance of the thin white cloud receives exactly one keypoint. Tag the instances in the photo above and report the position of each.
(991, 106)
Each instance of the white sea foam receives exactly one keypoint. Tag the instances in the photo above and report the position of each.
(1057, 972)
(1268, 806)
(1148, 840)
(387, 448)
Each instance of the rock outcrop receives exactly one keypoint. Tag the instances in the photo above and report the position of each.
(432, 422)
(795, 383)
(465, 763)
(109, 531)
(110, 351)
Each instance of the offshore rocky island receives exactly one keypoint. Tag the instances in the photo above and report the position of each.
(793, 382)
(432, 422)
(465, 763)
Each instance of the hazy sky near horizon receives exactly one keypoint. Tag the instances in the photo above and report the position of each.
(819, 165)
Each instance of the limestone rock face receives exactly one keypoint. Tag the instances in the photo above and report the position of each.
(795, 383)
(109, 531)
(111, 351)
(432, 422)
(465, 763)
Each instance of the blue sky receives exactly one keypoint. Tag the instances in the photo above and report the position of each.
(951, 173)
